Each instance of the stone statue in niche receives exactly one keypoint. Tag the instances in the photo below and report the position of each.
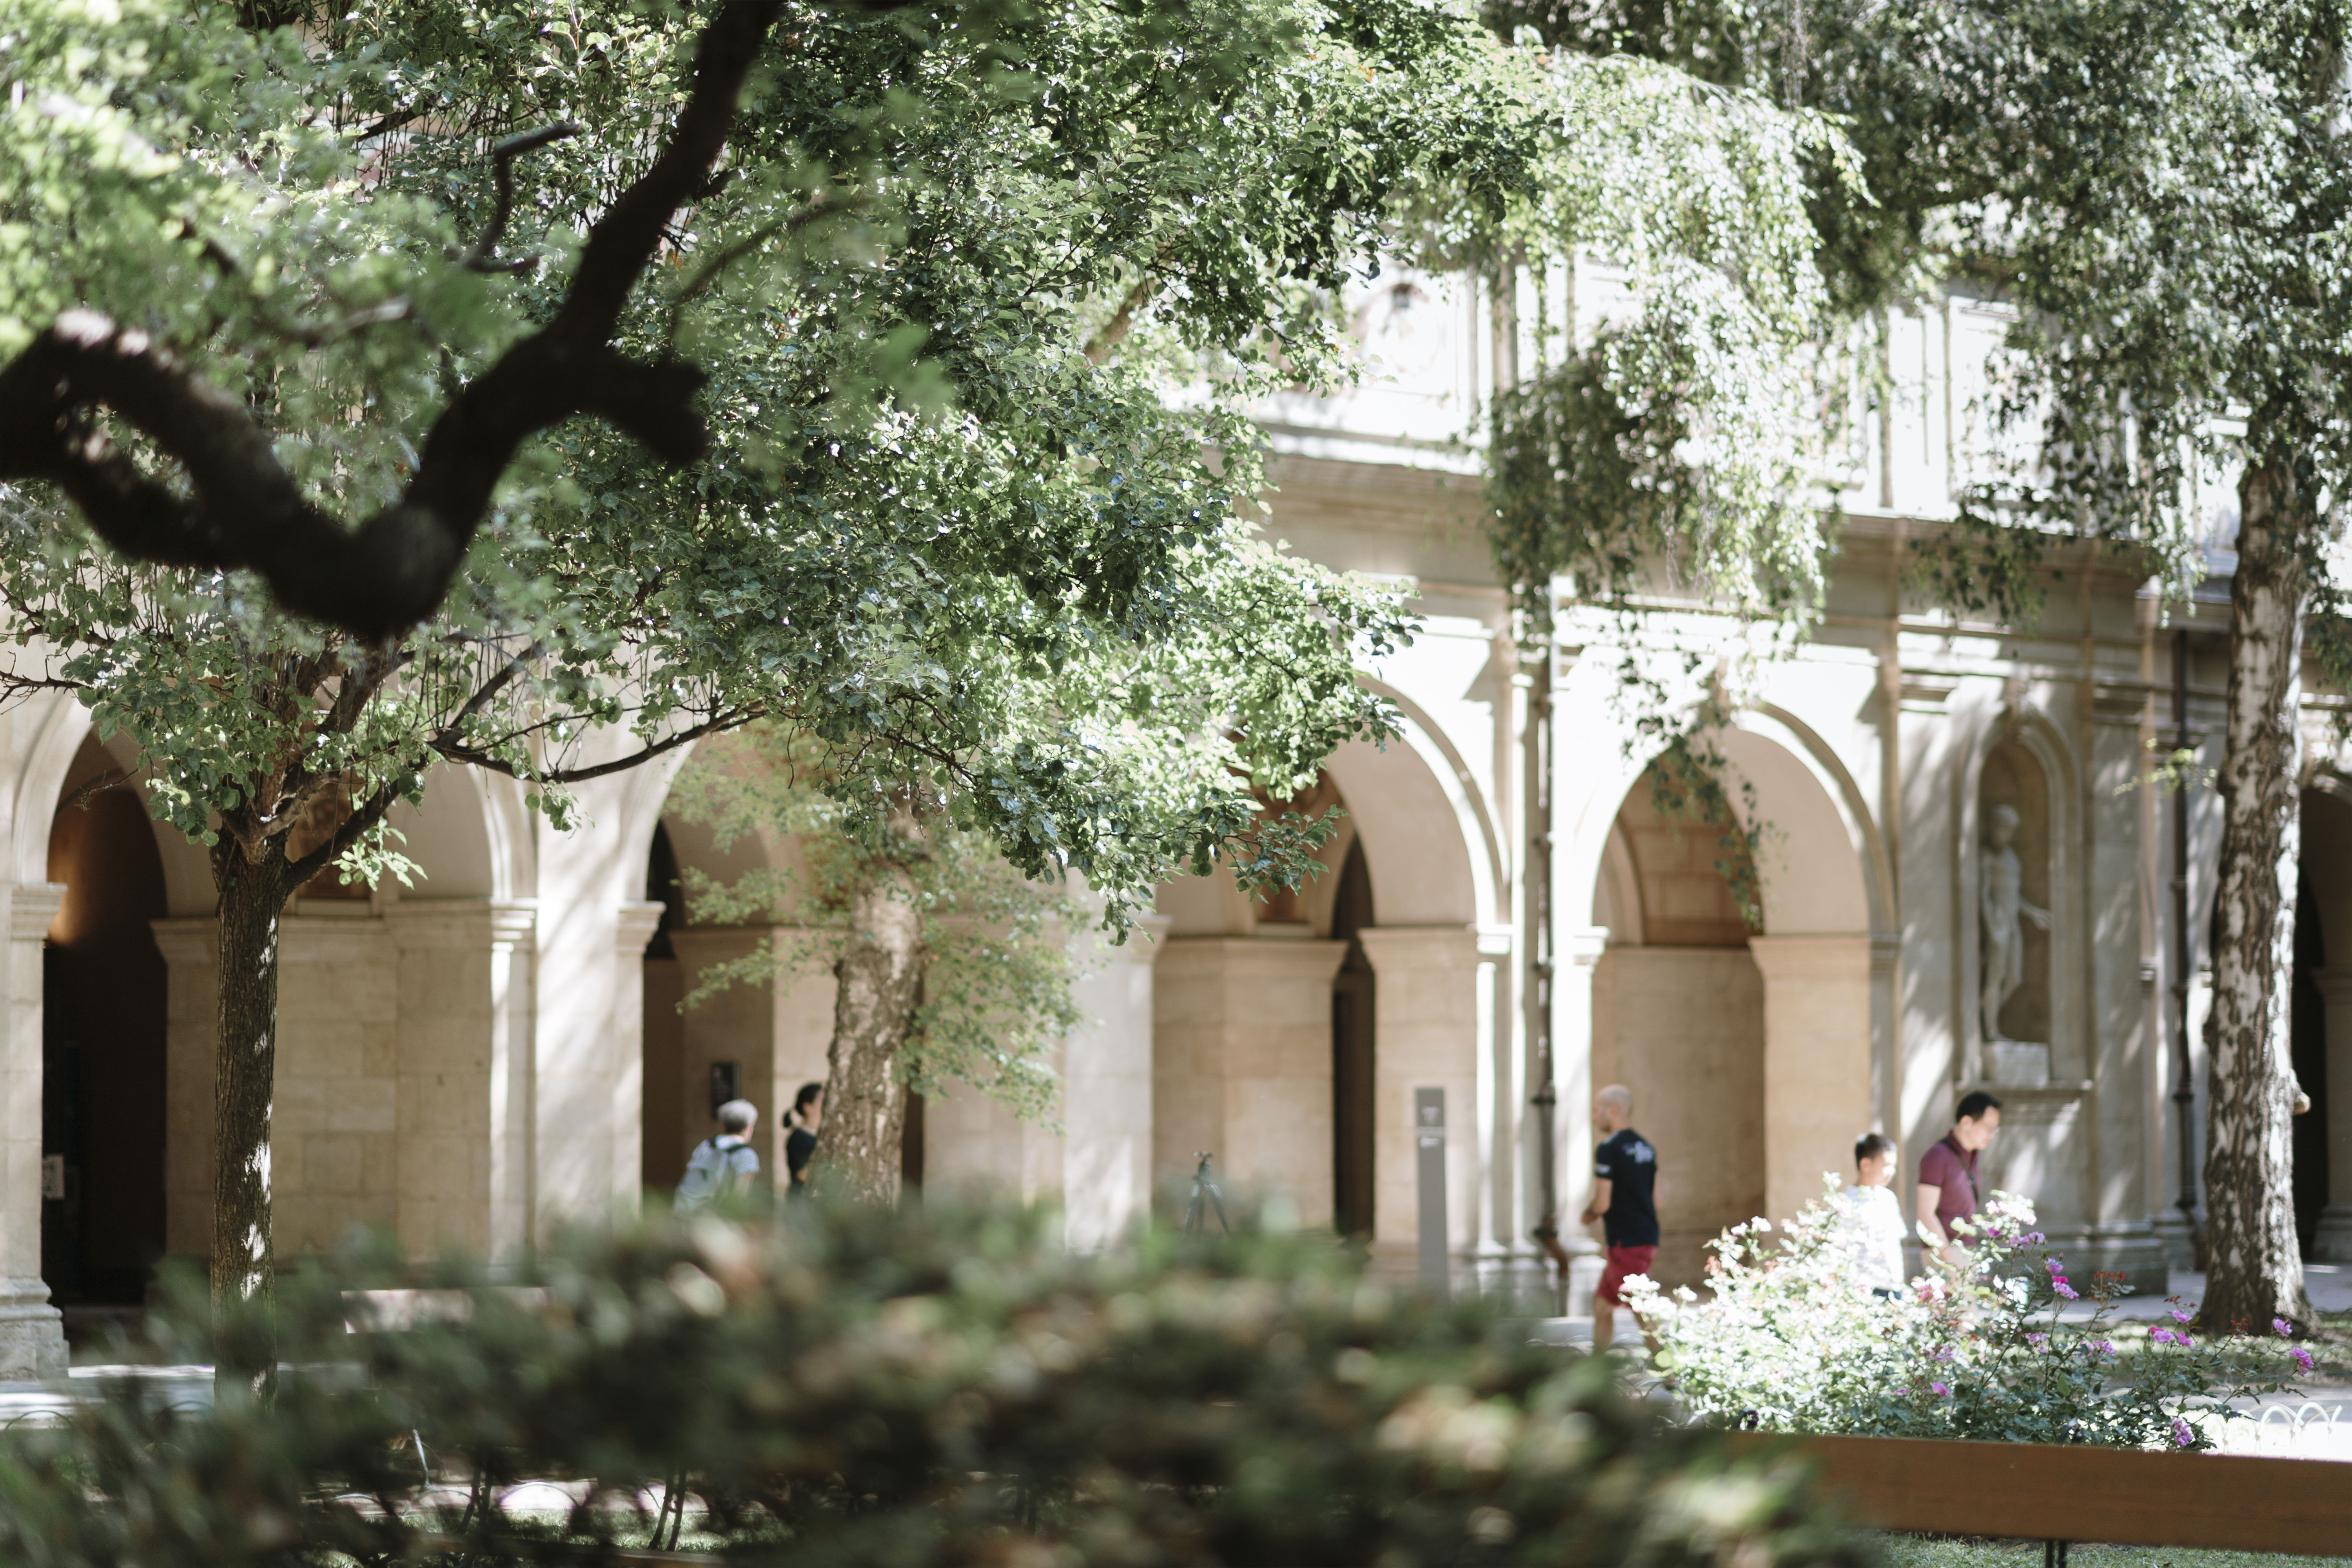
(2000, 882)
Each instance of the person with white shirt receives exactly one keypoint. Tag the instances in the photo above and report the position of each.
(1872, 1219)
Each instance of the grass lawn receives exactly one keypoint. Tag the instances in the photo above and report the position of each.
(1923, 1551)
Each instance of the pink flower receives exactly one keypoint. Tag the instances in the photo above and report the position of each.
(2301, 1358)
(2105, 1347)
(2037, 1340)
(2182, 1434)
(2179, 1316)
(2167, 1337)
(2282, 1328)
(2056, 1266)
(2063, 1288)
(1938, 1389)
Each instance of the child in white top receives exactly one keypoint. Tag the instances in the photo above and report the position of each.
(1871, 1217)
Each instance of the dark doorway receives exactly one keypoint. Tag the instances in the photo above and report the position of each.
(1354, 1105)
(662, 1152)
(102, 1047)
(2308, 1048)
(910, 1145)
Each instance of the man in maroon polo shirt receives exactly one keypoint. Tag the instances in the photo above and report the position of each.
(1947, 1175)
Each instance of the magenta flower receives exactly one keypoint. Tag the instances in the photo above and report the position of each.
(2031, 1238)
(2055, 1266)
(2167, 1337)
(2301, 1358)
(2282, 1328)
(2179, 1316)
(1939, 1389)
(2063, 1288)
(2182, 1434)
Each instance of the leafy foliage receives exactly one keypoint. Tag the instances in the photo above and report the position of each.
(925, 507)
(952, 1386)
(1788, 1342)
(998, 961)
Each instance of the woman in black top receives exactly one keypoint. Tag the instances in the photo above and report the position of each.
(807, 1116)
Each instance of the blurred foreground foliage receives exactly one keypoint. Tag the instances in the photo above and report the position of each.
(946, 1387)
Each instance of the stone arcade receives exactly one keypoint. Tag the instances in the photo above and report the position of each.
(498, 1049)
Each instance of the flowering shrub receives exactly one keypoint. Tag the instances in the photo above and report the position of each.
(1788, 1343)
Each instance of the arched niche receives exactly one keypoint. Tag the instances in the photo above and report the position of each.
(2012, 783)
(2021, 760)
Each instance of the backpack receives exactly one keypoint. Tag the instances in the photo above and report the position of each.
(709, 1172)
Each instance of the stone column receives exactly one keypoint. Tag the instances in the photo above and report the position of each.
(190, 946)
(2333, 1244)
(1425, 1034)
(463, 1074)
(32, 1331)
(1106, 1093)
(1241, 1065)
(1817, 1079)
(633, 927)
(1572, 1040)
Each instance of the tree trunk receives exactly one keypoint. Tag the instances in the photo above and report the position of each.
(252, 905)
(880, 976)
(2254, 1266)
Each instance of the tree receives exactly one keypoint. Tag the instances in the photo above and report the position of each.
(844, 467)
(974, 958)
(2159, 189)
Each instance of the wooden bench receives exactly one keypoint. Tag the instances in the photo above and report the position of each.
(2125, 1497)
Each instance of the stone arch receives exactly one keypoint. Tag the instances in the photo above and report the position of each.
(104, 1039)
(1822, 961)
(768, 1039)
(1399, 795)
(1678, 1018)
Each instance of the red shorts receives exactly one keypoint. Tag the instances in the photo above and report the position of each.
(1624, 1263)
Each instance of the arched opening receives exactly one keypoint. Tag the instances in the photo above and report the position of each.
(2308, 1047)
(663, 1151)
(103, 1046)
(2321, 1022)
(1678, 1014)
(1354, 1103)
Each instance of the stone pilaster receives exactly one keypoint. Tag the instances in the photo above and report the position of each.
(191, 949)
(1106, 1092)
(1572, 1039)
(1425, 1033)
(32, 1332)
(1817, 1061)
(1241, 1065)
(463, 1124)
(633, 927)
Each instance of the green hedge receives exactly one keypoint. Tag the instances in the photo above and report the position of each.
(945, 1387)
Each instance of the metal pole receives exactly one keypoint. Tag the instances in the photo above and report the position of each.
(2184, 1091)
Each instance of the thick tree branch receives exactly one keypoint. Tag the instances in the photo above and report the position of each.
(502, 156)
(246, 510)
(364, 816)
(451, 750)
